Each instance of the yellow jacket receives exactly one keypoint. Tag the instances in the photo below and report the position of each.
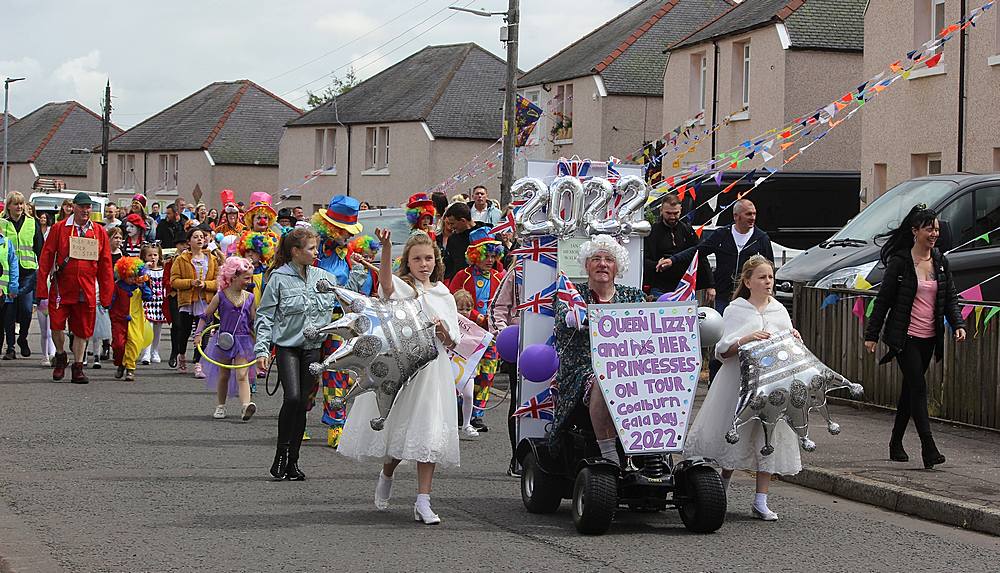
(182, 274)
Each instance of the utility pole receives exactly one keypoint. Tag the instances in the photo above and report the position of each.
(105, 133)
(6, 122)
(510, 100)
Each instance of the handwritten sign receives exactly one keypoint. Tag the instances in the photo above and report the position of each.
(469, 350)
(647, 358)
(83, 248)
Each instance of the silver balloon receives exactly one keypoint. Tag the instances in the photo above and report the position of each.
(782, 380)
(385, 344)
(710, 326)
(630, 212)
(565, 225)
(530, 218)
(597, 193)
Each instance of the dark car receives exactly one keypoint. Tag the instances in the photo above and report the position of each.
(968, 206)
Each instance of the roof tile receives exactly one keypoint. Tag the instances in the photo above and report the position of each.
(46, 135)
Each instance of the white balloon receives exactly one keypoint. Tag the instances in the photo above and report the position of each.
(710, 326)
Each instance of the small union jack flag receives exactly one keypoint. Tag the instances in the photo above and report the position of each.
(567, 293)
(541, 302)
(544, 250)
(613, 174)
(541, 406)
(507, 224)
(579, 168)
(685, 289)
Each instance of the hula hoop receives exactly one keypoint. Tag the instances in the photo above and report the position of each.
(197, 345)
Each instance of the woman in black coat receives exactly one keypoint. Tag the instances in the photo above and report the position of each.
(917, 294)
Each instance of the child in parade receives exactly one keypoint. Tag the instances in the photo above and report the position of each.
(421, 425)
(753, 315)
(100, 342)
(233, 342)
(257, 247)
(193, 276)
(335, 226)
(420, 213)
(364, 275)
(128, 318)
(289, 305)
(135, 230)
(481, 281)
(152, 255)
(465, 305)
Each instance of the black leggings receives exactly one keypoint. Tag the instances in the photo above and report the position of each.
(913, 361)
(513, 404)
(296, 383)
(186, 323)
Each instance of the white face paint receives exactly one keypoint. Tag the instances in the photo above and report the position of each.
(132, 230)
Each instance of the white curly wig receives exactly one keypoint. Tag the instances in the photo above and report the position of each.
(604, 244)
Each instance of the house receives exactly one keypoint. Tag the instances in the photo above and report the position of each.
(764, 63)
(603, 94)
(39, 145)
(942, 119)
(403, 130)
(224, 136)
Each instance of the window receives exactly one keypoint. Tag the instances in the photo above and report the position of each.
(126, 169)
(937, 18)
(987, 215)
(928, 20)
(164, 171)
(741, 77)
(325, 150)
(169, 171)
(699, 76)
(383, 134)
(934, 164)
(562, 130)
(371, 147)
(175, 171)
(746, 75)
(969, 217)
(956, 222)
(996, 151)
(922, 164)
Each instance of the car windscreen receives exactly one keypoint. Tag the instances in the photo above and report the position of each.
(395, 222)
(888, 210)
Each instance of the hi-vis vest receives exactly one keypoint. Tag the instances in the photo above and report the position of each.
(24, 242)
(5, 277)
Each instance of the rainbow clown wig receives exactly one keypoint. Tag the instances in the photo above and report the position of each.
(482, 244)
(326, 229)
(364, 244)
(264, 244)
(131, 270)
(417, 207)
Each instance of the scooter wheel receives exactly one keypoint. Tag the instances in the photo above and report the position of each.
(540, 492)
(704, 507)
(595, 500)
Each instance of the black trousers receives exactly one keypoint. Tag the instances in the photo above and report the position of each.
(296, 383)
(175, 326)
(513, 402)
(186, 323)
(913, 361)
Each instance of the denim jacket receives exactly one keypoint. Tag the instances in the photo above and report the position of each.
(289, 305)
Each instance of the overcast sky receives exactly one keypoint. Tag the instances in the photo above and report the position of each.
(156, 53)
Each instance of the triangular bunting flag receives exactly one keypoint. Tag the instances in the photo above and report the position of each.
(859, 310)
(973, 293)
(830, 299)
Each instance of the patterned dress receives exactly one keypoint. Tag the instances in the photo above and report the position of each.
(154, 307)
(573, 346)
(335, 384)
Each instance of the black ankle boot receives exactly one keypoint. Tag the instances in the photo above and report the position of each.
(280, 466)
(930, 454)
(292, 472)
(897, 453)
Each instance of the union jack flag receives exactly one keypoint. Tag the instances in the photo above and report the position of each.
(579, 168)
(568, 294)
(508, 222)
(541, 302)
(685, 289)
(544, 250)
(613, 174)
(541, 406)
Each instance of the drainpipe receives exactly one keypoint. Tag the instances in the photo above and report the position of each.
(715, 90)
(348, 191)
(961, 95)
(145, 155)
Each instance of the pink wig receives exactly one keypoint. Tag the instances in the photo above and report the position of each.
(232, 267)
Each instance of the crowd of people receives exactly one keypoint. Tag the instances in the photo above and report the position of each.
(248, 276)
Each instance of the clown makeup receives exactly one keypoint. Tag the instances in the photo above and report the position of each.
(261, 222)
(132, 230)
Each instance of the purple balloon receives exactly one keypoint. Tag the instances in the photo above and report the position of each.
(508, 342)
(538, 362)
(665, 297)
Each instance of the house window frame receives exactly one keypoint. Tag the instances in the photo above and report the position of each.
(384, 136)
(745, 76)
(564, 109)
(325, 151)
(164, 160)
(376, 154)
(703, 83)
(934, 164)
(175, 160)
(935, 25)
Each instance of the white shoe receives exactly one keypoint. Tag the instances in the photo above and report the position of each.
(47, 361)
(220, 412)
(425, 514)
(383, 492)
(156, 357)
(144, 357)
(468, 433)
(765, 514)
(248, 411)
(199, 373)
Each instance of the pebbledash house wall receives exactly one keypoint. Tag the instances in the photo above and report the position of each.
(22, 176)
(919, 119)
(416, 163)
(194, 169)
(603, 124)
(784, 84)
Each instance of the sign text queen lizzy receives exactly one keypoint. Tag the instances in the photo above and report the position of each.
(647, 358)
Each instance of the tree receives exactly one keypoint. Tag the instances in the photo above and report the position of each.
(337, 87)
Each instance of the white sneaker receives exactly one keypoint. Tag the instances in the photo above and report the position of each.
(220, 412)
(156, 357)
(198, 372)
(765, 514)
(468, 433)
(144, 357)
(248, 411)
(47, 361)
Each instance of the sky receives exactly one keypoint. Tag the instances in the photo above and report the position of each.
(156, 53)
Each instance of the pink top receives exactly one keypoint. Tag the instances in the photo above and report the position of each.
(922, 315)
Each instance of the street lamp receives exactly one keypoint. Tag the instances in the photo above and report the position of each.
(512, 17)
(6, 119)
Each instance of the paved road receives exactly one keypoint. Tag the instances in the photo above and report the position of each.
(138, 477)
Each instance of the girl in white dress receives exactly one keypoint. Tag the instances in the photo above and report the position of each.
(753, 315)
(421, 425)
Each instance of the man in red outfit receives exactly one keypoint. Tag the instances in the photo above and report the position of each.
(76, 258)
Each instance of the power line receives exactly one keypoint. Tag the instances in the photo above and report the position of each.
(380, 46)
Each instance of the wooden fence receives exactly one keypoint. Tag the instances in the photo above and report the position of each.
(963, 387)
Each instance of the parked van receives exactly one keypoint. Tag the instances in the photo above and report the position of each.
(49, 194)
(968, 206)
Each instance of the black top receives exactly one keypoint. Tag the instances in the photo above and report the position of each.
(454, 252)
(665, 240)
(169, 233)
(728, 259)
(895, 299)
